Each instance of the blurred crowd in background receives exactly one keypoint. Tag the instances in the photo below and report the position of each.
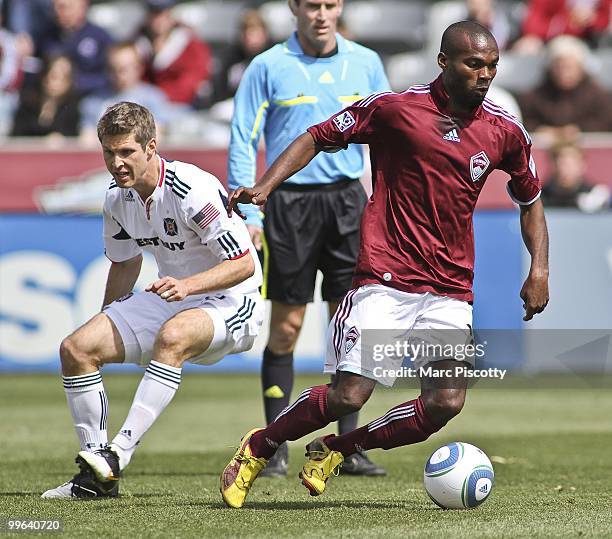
(62, 62)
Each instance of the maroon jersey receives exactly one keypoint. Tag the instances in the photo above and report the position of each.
(428, 168)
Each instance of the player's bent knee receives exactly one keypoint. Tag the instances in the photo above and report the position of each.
(72, 357)
(171, 339)
(284, 337)
(344, 402)
(441, 406)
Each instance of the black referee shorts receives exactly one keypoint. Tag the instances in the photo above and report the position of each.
(309, 228)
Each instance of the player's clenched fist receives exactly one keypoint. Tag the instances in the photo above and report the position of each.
(169, 288)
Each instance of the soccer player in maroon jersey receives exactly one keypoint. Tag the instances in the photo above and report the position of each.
(432, 148)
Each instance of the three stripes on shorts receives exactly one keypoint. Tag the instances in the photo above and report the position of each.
(240, 318)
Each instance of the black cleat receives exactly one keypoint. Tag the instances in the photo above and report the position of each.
(278, 464)
(84, 485)
(359, 464)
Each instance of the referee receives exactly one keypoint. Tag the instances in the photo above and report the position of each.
(312, 221)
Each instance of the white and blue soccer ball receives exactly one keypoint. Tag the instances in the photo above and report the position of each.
(458, 476)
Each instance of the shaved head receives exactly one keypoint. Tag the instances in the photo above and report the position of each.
(465, 35)
(468, 58)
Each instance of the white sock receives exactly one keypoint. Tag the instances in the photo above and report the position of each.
(155, 391)
(88, 404)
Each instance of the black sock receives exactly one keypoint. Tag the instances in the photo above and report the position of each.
(276, 382)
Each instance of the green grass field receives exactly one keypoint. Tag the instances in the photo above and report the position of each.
(551, 452)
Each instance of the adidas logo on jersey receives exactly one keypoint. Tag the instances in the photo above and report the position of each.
(452, 135)
(129, 197)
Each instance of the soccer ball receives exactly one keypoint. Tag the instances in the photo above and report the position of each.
(458, 476)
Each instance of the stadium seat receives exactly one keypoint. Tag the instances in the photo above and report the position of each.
(278, 18)
(214, 21)
(388, 26)
(602, 67)
(441, 15)
(520, 73)
(407, 69)
(120, 19)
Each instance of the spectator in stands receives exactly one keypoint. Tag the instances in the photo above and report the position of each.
(547, 19)
(567, 187)
(489, 15)
(29, 19)
(10, 58)
(83, 42)
(178, 62)
(253, 38)
(51, 107)
(568, 100)
(10, 76)
(126, 68)
(343, 29)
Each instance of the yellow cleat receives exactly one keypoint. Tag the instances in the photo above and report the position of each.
(321, 465)
(239, 475)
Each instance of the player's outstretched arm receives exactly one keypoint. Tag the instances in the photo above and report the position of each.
(121, 279)
(295, 157)
(535, 235)
(221, 277)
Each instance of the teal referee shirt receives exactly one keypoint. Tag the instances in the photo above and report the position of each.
(282, 93)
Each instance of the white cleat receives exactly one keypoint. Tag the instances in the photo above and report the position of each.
(84, 485)
(63, 491)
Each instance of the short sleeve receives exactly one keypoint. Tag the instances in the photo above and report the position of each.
(118, 244)
(227, 237)
(380, 82)
(354, 124)
(524, 186)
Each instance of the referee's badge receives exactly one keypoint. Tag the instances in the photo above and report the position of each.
(351, 339)
(170, 226)
(344, 121)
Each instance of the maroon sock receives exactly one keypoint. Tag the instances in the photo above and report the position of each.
(403, 425)
(306, 414)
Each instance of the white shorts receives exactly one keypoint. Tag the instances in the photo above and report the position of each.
(138, 317)
(375, 315)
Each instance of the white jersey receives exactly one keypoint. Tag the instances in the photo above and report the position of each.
(183, 223)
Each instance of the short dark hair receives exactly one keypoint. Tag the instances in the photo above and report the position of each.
(125, 118)
(451, 36)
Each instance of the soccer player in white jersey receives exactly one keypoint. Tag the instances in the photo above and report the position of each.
(204, 305)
